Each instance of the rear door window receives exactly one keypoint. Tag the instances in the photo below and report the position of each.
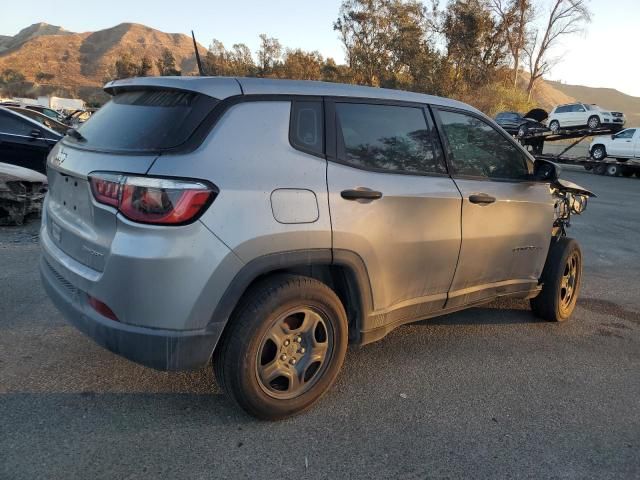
(145, 120)
(387, 138)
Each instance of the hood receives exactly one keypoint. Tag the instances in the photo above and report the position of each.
(571, 187)
(537, 114)
(10, 172)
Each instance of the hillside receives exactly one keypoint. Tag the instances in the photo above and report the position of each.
(32, 31)
(73, 60)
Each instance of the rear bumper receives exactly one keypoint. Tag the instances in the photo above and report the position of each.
(156, 348)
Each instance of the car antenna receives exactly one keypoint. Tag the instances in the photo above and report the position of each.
(195, 47)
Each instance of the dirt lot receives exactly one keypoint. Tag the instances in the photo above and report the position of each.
(487, 393)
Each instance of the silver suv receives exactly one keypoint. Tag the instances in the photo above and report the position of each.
(265, 224)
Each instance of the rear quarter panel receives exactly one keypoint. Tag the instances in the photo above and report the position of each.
(248, 156)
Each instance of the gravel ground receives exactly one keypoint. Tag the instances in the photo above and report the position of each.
(487, 393)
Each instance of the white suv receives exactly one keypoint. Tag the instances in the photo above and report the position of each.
(583, 115)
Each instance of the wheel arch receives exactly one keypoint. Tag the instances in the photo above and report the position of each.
(341, 270)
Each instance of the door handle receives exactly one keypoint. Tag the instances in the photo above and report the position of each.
(360, 194)
(481, 198)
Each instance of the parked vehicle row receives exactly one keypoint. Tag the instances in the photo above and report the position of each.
(25, 141)
(279, 220)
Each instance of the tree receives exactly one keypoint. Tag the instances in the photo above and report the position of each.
(269, 55)
(566, 17)
(475, 43)
(517, 16)
(127, 67)
(166, 64)
(237, 62)
(145, 67)
(44, 77)
(301, 65)
(388, 43)
(240, 61)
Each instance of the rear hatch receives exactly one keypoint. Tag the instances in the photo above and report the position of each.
(125, 136)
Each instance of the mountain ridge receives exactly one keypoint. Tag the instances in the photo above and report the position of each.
(71, 63)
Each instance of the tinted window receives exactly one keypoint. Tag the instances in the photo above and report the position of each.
(628, 133)
(577, 108)
(307, 126)
(146, 120)
(14, 125)
(386, 137)
(477, 149)
(563, 109)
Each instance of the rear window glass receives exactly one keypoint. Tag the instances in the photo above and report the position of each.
(145, 120)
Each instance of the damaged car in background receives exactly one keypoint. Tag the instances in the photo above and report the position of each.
(22, 193)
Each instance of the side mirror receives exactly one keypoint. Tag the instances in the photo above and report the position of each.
(545, 171)
(613, 136)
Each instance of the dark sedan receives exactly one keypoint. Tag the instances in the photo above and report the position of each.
(522, 125)
(25, 142)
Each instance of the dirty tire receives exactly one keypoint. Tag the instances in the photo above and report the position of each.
(561, 279)
(263, 327)
(554, 126)
(593, 122)
(613, 170)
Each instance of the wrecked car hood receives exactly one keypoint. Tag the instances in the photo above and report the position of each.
(10, 172)
(22, 193)
(537, 114)
(567, 186)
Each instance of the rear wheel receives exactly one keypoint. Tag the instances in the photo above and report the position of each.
(284, 347)
(554, 126)
(613, 170)
(561, 279)
(593, 122)
(627, 172)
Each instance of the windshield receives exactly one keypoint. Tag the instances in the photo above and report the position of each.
(591, 107)
(145, 120)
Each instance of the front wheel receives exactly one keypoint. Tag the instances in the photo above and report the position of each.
(593, 122)
(284, 347)
(522, 131)
(561, 279)
(598, 152)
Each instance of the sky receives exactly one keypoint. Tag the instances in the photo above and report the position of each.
(598, 57)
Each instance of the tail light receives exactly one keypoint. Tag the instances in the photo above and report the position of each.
(159, 201)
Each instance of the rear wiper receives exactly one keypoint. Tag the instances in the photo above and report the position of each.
(72, 132)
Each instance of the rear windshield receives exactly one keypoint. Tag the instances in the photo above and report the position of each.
(145, 120)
